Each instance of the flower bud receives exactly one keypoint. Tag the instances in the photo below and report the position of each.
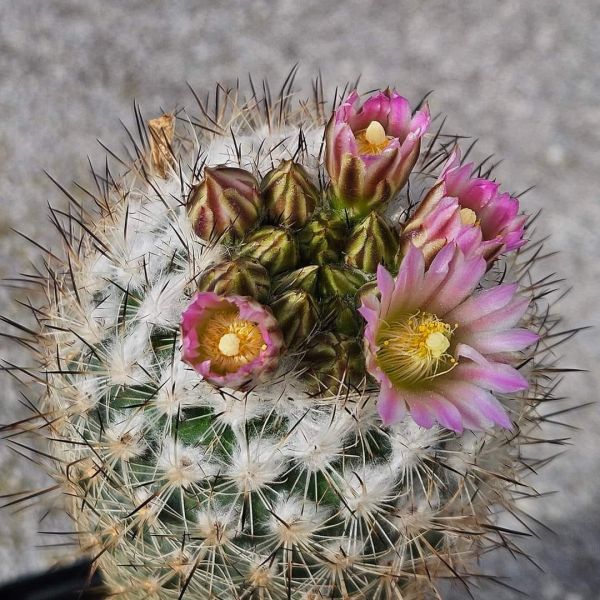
(372, 242)
(371, 149)
(334, 361)
(297, 315)
(274, 248)
(290, 196)
(335, 280)
(225, 205)
(322, 239)
(340, 315)
(300, 279)
(241, 276)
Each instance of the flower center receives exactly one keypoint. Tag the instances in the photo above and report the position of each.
(228, 341)
(414, 348)
(373, 139)
(468, 216)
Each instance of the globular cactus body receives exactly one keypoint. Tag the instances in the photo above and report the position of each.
(288, 485)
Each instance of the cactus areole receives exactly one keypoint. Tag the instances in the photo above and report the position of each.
(270, 372)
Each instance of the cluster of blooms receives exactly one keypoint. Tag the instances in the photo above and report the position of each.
(329, 275)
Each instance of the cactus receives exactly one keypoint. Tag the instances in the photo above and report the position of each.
(329, 468)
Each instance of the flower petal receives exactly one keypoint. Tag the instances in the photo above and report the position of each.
(494, 376)
(391, 405)
(471, 398)
(495, 342)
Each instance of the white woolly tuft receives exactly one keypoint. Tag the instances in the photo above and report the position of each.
(130, 358)
(182, 465)
(255, 463)
(295, 522)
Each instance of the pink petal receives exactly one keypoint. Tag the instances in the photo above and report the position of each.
(494, 376)
(445, 413)
(495, 342)
(422, 416)
(472, 398)
(463, 276)
(503, 318)
(482, 303)
(399, 117)
(391, 405)
(408, 281)
(436, 274)
(385, 284)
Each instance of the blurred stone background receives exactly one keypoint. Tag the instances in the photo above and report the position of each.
(523, 77)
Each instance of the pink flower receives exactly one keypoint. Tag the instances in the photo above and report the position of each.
(371, 149)
(231, 341)
(468, 211)
(440, 350)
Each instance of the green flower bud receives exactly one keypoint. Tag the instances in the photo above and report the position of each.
(334, 361)
(339, 314)
(273, 247)
(297, 315)
(335, 280)
(226, 205)
(290, 196)
(300, 279)
(322, 239)
(241, 276)
(372, 242)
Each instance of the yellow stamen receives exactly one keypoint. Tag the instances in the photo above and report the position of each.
(468, 216)
(228, 341)
(414, 348)
(373, 139)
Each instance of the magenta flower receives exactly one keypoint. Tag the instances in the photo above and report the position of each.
(468, 211)
(439, 350)
(231, 341)
(371, 149)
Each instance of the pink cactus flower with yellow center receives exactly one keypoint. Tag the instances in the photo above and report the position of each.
(232, 341)
(469, 211)
(440, 350)
(371, 149)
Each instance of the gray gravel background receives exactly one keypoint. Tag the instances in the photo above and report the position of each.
(524, 77)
